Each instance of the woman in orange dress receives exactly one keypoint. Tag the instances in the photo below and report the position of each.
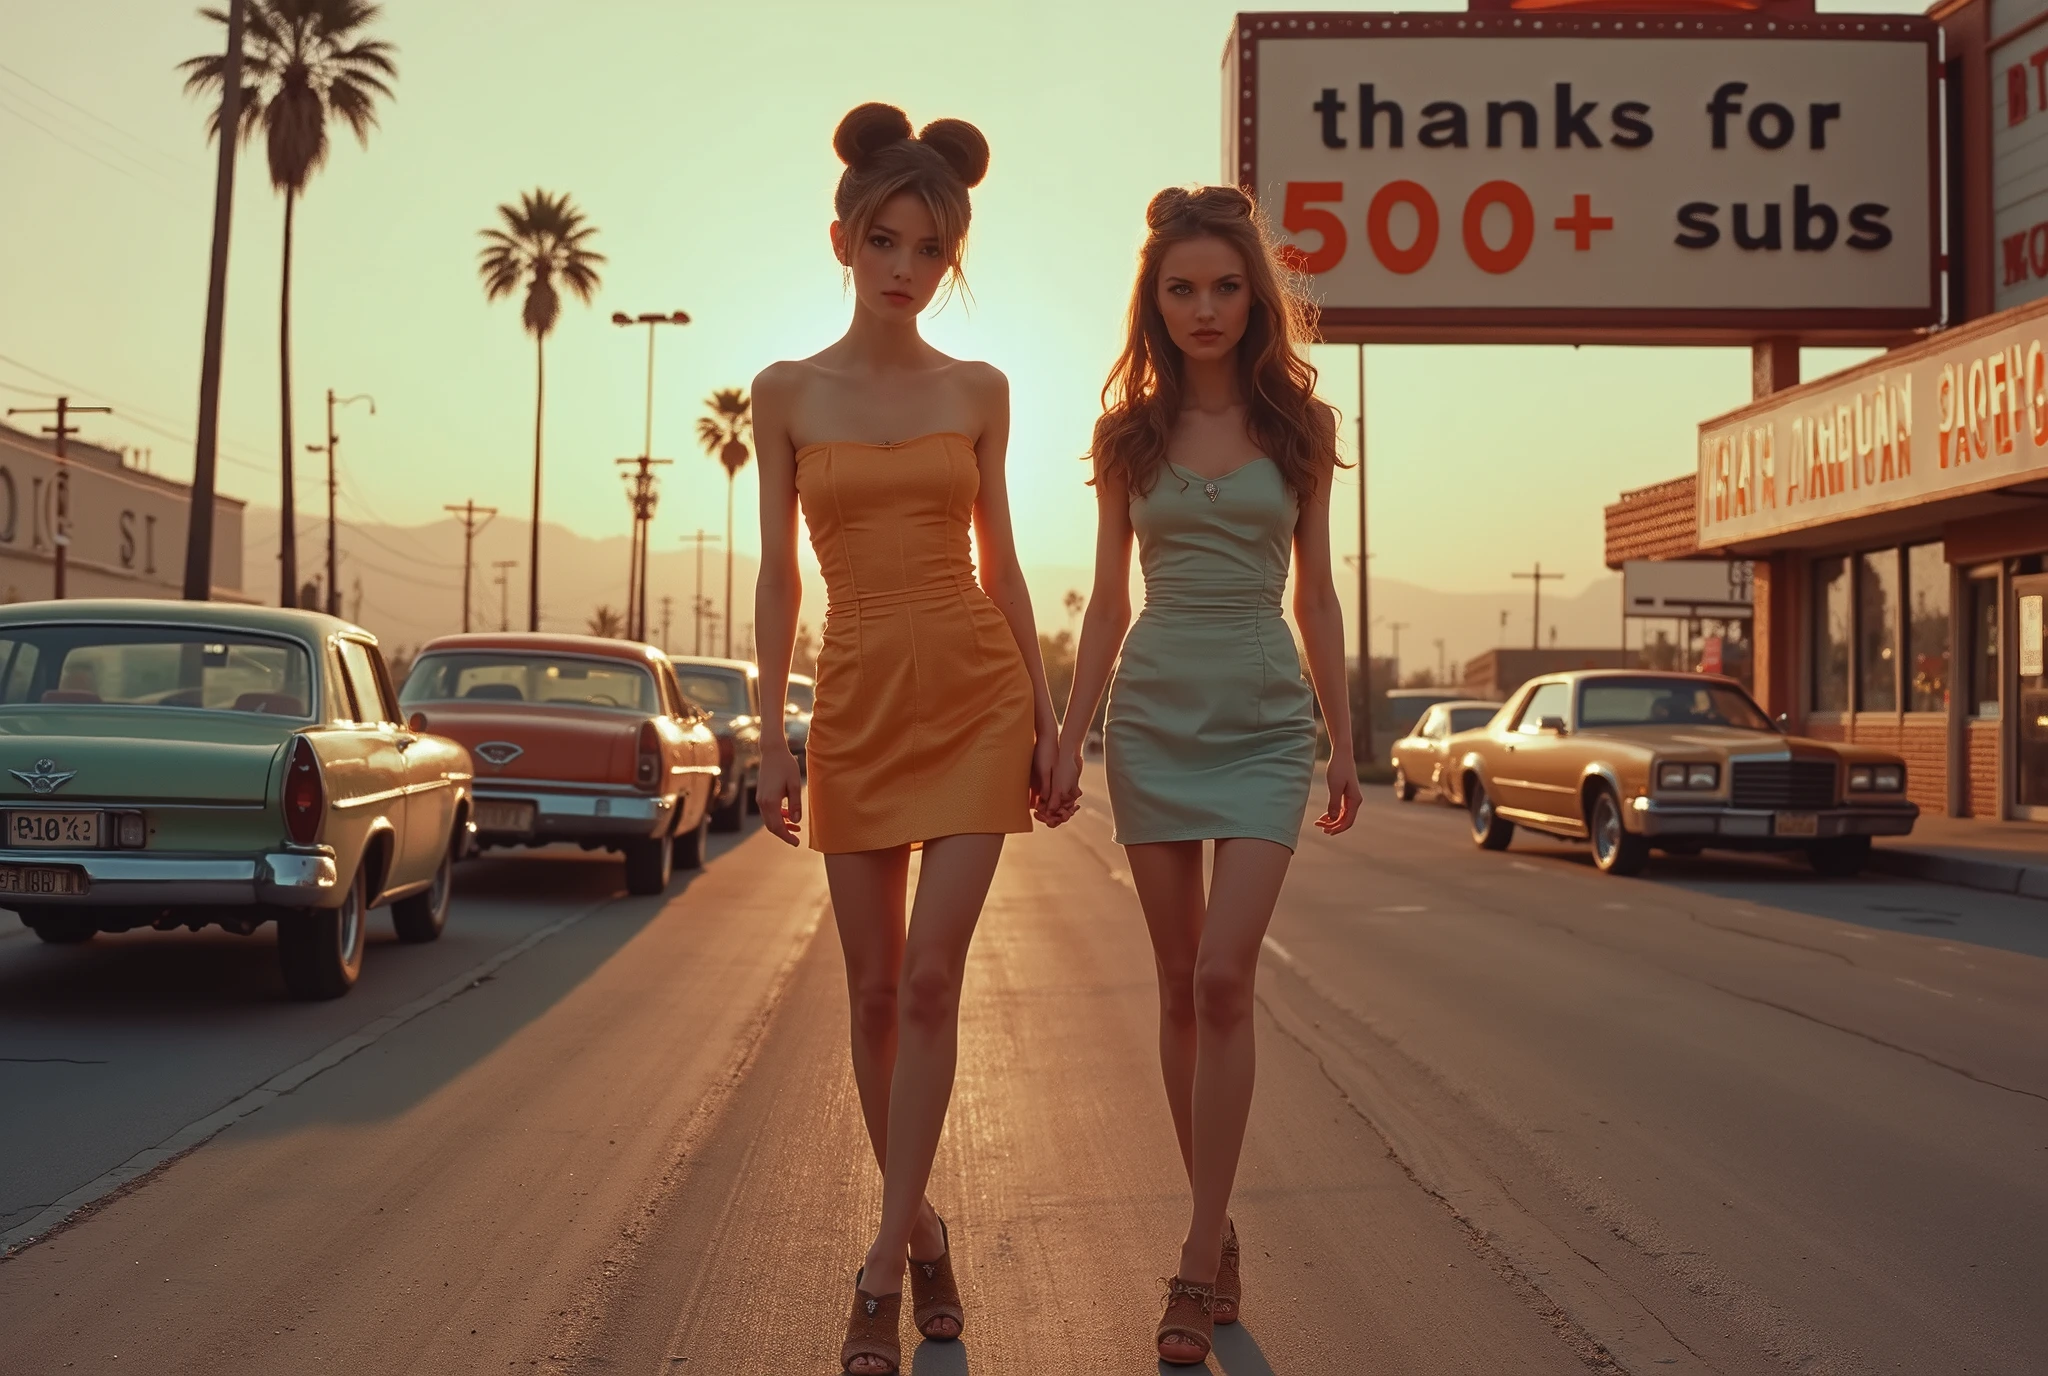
(933, 725)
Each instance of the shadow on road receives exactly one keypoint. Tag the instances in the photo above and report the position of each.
(939, 1359)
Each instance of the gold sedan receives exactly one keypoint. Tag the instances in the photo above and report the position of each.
(1419, 757)
(1677, 762)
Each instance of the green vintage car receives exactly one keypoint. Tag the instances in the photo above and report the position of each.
(181, 764)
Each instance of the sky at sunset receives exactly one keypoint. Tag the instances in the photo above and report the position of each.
(696, 137)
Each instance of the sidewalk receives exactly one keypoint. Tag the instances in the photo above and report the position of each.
(2002, 857)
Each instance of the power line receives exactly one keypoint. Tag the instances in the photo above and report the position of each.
(138, 142)
(84, 152)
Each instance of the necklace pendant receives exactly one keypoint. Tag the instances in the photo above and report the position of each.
(1210, 488)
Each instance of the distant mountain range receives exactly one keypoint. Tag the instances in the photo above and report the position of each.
(405, 584)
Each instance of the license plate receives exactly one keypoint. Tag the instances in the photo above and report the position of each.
(54, 829)
(1797, 824)
(42, 880)
(504, 816)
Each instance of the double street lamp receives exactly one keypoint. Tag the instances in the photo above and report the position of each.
(333, 607)
(640, 492)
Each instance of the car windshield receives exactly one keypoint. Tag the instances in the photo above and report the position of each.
(1667, 702)
(550, 680)
(1471, 718)
(801, 696)
(155, 666)
(720, 690)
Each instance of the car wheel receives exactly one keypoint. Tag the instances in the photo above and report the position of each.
(1616, 850)
(1839, 857)
(62, 928)
(321, 950)
(1490, 830)
(693, 847)
(649, 864)
(1403, 790)
(752, 794)
(421, 917)
(729, 817)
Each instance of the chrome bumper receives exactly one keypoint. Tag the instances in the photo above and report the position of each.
(288, 879)
(564, 816)
(1665, 817)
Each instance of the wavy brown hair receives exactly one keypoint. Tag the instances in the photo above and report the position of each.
(1142, 399)
(939, 165)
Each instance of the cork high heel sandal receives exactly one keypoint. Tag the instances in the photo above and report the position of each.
(1229, 1280)
(935, 1295)
(1189, 1322)
(871, 1331)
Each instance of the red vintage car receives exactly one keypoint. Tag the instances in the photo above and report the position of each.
(576, 738)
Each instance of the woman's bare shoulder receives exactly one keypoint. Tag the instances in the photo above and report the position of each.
(784, 381)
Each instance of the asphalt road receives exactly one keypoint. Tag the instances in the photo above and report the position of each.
(1513, 1116)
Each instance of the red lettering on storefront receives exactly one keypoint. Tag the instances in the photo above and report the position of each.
(1378, 226)
(1521, 227)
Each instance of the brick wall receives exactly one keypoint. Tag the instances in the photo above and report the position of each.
(1983, 748)
(1656, 522)
(1826, 729)
(1921, 739)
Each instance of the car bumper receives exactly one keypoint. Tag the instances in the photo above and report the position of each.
(560, 815)
(283, 879)
(1657, 817)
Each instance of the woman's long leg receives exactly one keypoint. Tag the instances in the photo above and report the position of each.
(952, 884)
(1243, 889)
(1168, 875)
(868, 890)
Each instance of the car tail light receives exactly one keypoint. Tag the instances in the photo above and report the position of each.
(131, 831)
(305, 796)
(647, 772)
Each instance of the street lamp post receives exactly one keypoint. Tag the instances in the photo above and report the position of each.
(333, 585)
(636, 589)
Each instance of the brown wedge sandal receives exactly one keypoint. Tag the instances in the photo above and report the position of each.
(935, 1295)
(1229, 1280)
(872, 1331)
(1189, 1321)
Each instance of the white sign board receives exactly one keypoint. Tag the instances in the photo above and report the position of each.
(2019, 153)
(1502, 176)
(1687, 587)
(2030, 636)
(1964, 412)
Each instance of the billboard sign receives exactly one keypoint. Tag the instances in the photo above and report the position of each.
(1634, 178)
(1687, 587)
(2019, 153)
(1962, 413)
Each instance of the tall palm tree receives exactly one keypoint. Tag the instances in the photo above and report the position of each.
(303, 62)
(723, 433)
(540, 240)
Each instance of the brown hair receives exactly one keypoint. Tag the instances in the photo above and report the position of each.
(1142, 399)
(883, 159)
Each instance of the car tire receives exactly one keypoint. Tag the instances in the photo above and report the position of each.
(62, 928)
(1616, 850)
(320, 950)
(1490, 830)
(1403, 790)
(649, 865)
(421, 917)
(729, 817)
(752, 794)
(693, 847)
(1839, 857)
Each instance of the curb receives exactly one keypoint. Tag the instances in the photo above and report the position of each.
(1991, 876)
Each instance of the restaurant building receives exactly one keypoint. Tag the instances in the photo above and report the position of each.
(125, 525)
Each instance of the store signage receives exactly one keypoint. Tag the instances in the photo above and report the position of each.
(1687, 587)
(1640, 178)
(2019, 153)
(1965, 412)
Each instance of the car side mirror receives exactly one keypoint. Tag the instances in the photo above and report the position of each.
(1552, 725)
(417, 722)
(1785, 723)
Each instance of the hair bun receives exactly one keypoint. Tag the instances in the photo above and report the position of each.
(961, 145)
(867, 130)
(1164, 206)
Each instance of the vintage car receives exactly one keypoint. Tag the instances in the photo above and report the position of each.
(1631, 761)
(576, 738)
(1418, 757)
(180, 764)
(796, 717)
(731, 690)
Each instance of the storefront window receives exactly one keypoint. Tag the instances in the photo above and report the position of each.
(1927, 630)
(1831, 635)
(1877, 631)
(1984, 646)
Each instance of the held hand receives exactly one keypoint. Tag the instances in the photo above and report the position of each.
(1345, 797)
(1064, 800)
(1043, 755)
(780, 794)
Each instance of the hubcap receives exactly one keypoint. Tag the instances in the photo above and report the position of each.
(351, 929)
(1606, 829)
(1482, 811)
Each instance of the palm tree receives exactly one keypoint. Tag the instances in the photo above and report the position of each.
(302, 63)
(723, 434)
(541, 239)
(607, 622)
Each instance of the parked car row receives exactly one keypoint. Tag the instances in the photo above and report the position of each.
(1634, 762)
(179, 765)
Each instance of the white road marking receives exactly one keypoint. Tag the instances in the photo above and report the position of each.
(1403, 908)
(1525, 866)
(1856, 936)
(1615, 907)
(1916, 984)
(1280, 953)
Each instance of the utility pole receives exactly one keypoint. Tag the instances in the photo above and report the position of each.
(333, 587)
(468, 513)
(1442, 675)
(666, 603)
(199, 516)
(697, 604)
(642, 495)
(504, 568)
(1538, 578)
(1362, 752)
(1397, 627)
(60, 484)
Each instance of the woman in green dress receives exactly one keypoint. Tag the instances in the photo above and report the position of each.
(1215, 457)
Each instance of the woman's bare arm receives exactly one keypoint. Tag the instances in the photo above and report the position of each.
(1108, 616)
(778, 595)
(1321, 619)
